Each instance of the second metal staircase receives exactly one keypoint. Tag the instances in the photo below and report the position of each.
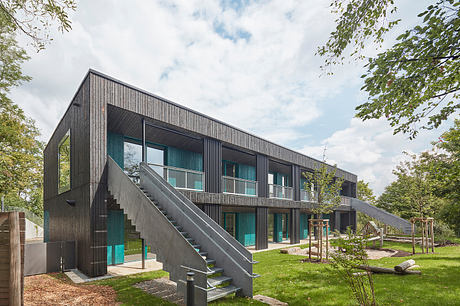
(381, 215)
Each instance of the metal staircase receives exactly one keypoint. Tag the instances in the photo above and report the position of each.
(381, 215)
(182, 236)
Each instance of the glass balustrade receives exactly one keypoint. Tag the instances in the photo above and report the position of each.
(239, 186)
(181, 178)
(280, 192)
(308, 196)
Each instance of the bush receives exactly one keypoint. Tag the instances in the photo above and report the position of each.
(443, 234)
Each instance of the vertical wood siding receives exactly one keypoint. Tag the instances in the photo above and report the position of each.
(262, 175)
(294, 225)
(261, 228)
(212, 159)
(295, 176)
(71, 222)
(141, 102)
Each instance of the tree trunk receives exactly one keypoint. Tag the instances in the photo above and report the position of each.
(404, 265)
(385, 270)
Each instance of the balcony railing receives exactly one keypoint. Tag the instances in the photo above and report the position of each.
(345, 201)
(236, 185)
(307, 196)
(181, 178)
(280, 192)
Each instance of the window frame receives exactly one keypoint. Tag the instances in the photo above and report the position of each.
(63, 139)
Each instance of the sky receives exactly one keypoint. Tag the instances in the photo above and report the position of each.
(251, 64)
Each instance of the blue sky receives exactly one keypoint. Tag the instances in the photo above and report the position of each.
(249, 63)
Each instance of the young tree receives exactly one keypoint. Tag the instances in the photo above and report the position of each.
(414, 82)
(325, 187)
(352, 253)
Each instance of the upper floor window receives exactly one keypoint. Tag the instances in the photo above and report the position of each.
(64, 163)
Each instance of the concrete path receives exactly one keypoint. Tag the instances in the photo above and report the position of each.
(127, 268)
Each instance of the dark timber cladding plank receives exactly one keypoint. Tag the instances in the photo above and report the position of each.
(170, 113)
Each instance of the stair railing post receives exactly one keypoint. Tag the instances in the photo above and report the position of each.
(190, 289)
(144, 159)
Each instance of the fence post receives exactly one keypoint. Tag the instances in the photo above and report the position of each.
(190, 289)
(15, 259)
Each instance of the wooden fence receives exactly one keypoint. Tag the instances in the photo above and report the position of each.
(12, 236)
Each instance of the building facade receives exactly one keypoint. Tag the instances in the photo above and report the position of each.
(250, 186)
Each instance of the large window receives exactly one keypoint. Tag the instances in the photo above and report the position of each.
(133, 156)
(64, 163)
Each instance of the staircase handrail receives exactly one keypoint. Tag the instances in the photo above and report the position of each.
(207, 231)
(220, 231)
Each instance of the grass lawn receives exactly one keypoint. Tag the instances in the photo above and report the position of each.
(285, 278)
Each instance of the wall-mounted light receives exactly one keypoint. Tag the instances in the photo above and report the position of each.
(71, 202)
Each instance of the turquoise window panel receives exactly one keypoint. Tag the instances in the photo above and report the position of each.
(277, 227)
(242, 171)
(184, 159)
(246, 228)
(304, 225)
(115, 237)
(46, 226)
(115, 148)
(246, 172)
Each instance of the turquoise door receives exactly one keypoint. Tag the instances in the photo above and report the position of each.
(115, 237)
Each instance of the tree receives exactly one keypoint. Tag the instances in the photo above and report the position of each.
(20, 149)
(445, 169)
(351, 254)
(365, 193)
(412, 193)
(325, 187)
(417, 81)
(21, 160)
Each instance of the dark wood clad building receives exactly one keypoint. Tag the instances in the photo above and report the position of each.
(250, 186)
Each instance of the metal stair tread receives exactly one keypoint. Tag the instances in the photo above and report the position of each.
(218, 280)
(210, 261)
(214, 270)
(221, 292)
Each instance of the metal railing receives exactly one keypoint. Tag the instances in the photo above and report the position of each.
(308, 196)
(180, 178)
(280, 192)
(345, 201)
(236, 185)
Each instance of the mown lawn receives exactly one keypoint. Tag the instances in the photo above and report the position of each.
(287, 279)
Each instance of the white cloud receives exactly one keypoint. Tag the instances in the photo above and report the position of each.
(264, 80)
(258, 73)
(371, 150)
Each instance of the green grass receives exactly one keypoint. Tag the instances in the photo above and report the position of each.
(129, 295)
(287, 279)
